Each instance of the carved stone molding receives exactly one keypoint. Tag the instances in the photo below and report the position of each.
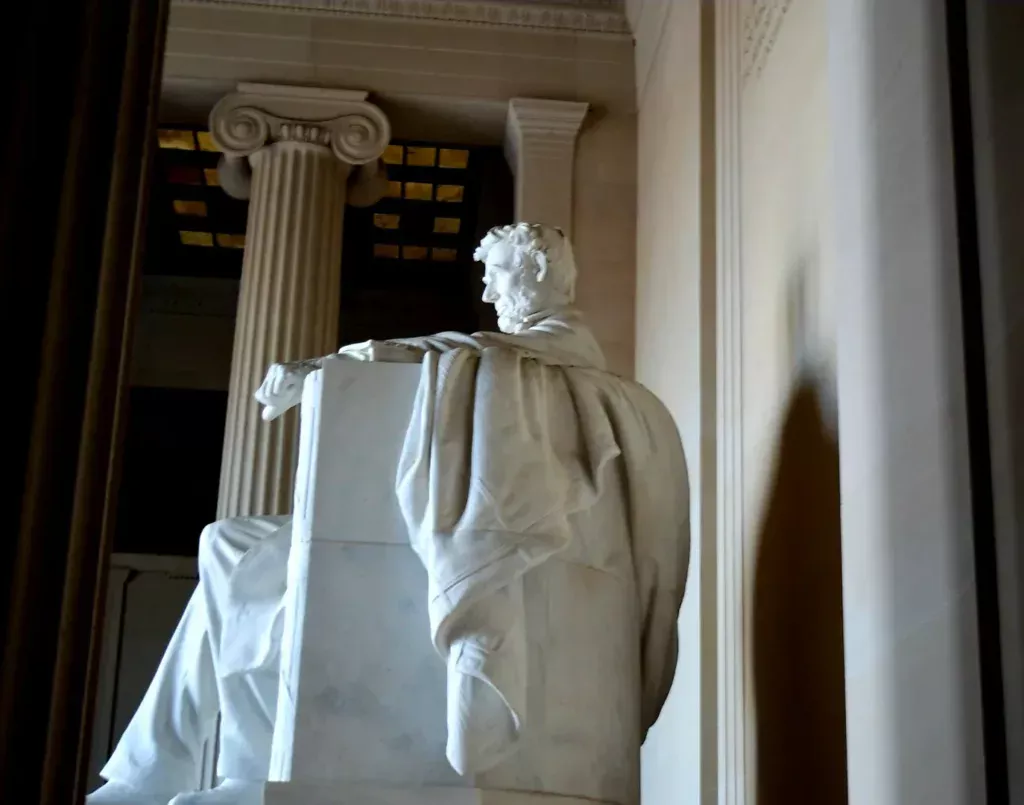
(259, 114)
(542, 127)
(586, 16)
(733, 546)
(762, 22)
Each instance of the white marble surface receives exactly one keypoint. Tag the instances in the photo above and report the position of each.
(552, 523)
(675, 321)
(913, 697)
(540, 145)
(304, 794)
(366, 711)
(360, 710)
(349, 496)
(547, 501)
(367, 686)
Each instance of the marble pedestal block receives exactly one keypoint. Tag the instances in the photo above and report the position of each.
(361, 714)
(300, 794)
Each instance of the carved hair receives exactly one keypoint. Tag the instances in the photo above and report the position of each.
(546, 248)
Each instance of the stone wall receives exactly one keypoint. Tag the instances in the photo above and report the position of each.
(789, 466)
(604, 232)
(912, 667)
(672, 337)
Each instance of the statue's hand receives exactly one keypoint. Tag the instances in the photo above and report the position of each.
(282, 387)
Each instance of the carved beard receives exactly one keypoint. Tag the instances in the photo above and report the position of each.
(516, 306)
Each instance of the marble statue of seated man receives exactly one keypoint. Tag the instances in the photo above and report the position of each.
(532, 491)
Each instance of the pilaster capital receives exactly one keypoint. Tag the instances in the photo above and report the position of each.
(540, 143)
(257, 115)
(541, 127)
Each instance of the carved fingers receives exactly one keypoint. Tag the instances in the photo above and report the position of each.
(282, 387)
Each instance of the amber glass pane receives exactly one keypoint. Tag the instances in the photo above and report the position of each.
(212, 177)
(394, 190)
(453, 158)
(447, 226)
(383, 220)
(445, 255)
(184, 207)
(206, 142)
(226, 241)
(449, 192)
(196, 238)
(421, 157)
(182, 174)
(385, 250)
(393, 155)
(419, 191)
(177, 138)
(414, 252)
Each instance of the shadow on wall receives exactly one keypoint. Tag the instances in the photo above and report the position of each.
(798, 615)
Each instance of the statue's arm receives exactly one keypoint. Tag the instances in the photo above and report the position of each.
(395, 351)
(281, 389)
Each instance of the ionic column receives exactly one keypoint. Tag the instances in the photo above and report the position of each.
(540, 145)
(291, 151)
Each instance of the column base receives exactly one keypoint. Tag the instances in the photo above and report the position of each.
(349, 794)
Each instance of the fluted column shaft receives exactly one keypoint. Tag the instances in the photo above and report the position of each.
(291, 151)
(287, 310)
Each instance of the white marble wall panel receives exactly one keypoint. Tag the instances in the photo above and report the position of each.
(671, 329)
(913, 698)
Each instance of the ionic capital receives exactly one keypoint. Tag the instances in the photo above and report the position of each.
(258, 115)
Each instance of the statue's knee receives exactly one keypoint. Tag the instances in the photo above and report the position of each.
(212, 544)
(223, 543)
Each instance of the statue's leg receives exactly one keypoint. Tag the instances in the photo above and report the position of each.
(249, 704)
(160, 751)
(244, 597)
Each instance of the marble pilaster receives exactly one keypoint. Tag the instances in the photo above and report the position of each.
(540, 144)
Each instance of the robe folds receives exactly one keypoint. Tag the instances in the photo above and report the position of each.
(511, 440)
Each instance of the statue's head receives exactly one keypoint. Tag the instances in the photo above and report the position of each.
(528, 268)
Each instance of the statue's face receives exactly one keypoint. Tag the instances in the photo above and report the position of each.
(505, 287)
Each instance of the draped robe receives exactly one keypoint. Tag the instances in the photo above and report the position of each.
(513, 437)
